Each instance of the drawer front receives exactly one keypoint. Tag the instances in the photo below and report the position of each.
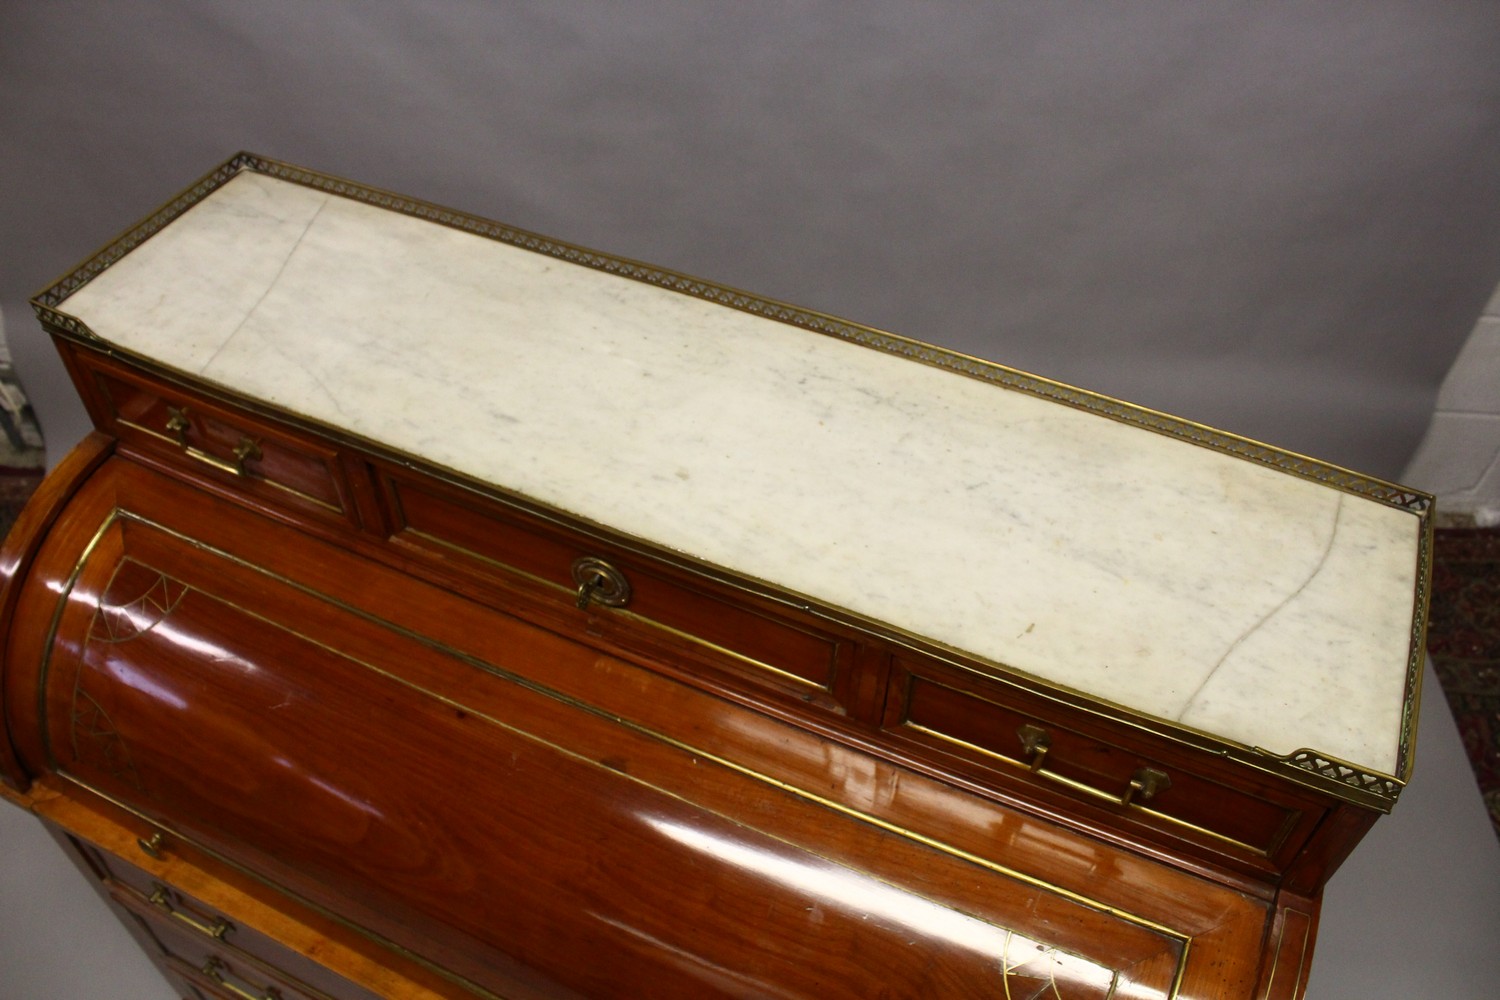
(222, 970)
(197, 934)
(660, 611)
(217, 443)
(1048, 747)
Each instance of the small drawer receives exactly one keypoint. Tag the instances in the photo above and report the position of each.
(209, 950)
(196, 932)
(218, 443)
(216, 977)
(1019, 735)
(627, 599)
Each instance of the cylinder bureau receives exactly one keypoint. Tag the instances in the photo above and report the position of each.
(442, 610)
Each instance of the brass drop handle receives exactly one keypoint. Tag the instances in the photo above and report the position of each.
(599, 583)
(1143, 785)
(1034, 743)
(215, 930)
(214, 969)
(177, 424)
(247, 450)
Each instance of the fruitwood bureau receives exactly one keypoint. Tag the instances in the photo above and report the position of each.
(439, 610)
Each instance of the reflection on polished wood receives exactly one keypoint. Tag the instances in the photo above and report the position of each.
(526, 815)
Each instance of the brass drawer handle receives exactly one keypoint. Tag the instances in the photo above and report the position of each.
(150, 847)
(215, 930)
(247, 450)
(599, 583)
(1143, 785)
(213, 969)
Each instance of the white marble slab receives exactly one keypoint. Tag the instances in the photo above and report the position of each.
(1163, 576)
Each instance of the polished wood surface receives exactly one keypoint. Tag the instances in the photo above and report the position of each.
(518, 837)
(330, 682)
(17, 552)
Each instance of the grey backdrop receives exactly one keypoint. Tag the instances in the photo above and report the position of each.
(1277, 218)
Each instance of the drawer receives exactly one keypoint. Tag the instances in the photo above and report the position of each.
(206, 948)
(217, 443)
(212, 944)
(631, 601)
(1176, 791)
(216, 977)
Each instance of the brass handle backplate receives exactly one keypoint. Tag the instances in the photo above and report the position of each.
(246, 451)
(1143, 785)
(600, 583)
(214, 969)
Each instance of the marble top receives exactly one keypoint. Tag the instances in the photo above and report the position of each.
(1173, 579)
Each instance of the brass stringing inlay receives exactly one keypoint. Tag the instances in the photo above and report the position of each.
(1040, 970)
(93, 734)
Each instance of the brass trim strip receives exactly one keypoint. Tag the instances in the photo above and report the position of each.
(859, 815)
(229, 467)
(1380, 793)
(633, 615)
(786, 675)
(1372, 790)
(1087, 789)
(43, 669)
(1276, 955)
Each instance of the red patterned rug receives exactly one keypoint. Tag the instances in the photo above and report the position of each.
(16, 485)
(1463, 639)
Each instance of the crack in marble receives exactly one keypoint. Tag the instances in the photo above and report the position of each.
(1338, 512)
(438, 343)
(281, 352)
(263, 295)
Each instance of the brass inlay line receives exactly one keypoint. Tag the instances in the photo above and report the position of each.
(1007, 969)
(51, 639)
(627, 613)
(1183, 938)
(227, 466)
(1085, 788)
(1302, 956)
(1371, 789)
(1276, 955)
(723, 651)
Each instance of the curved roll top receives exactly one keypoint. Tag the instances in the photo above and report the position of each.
(209, 672)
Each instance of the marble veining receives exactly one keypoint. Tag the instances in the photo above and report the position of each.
(1169, 578)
